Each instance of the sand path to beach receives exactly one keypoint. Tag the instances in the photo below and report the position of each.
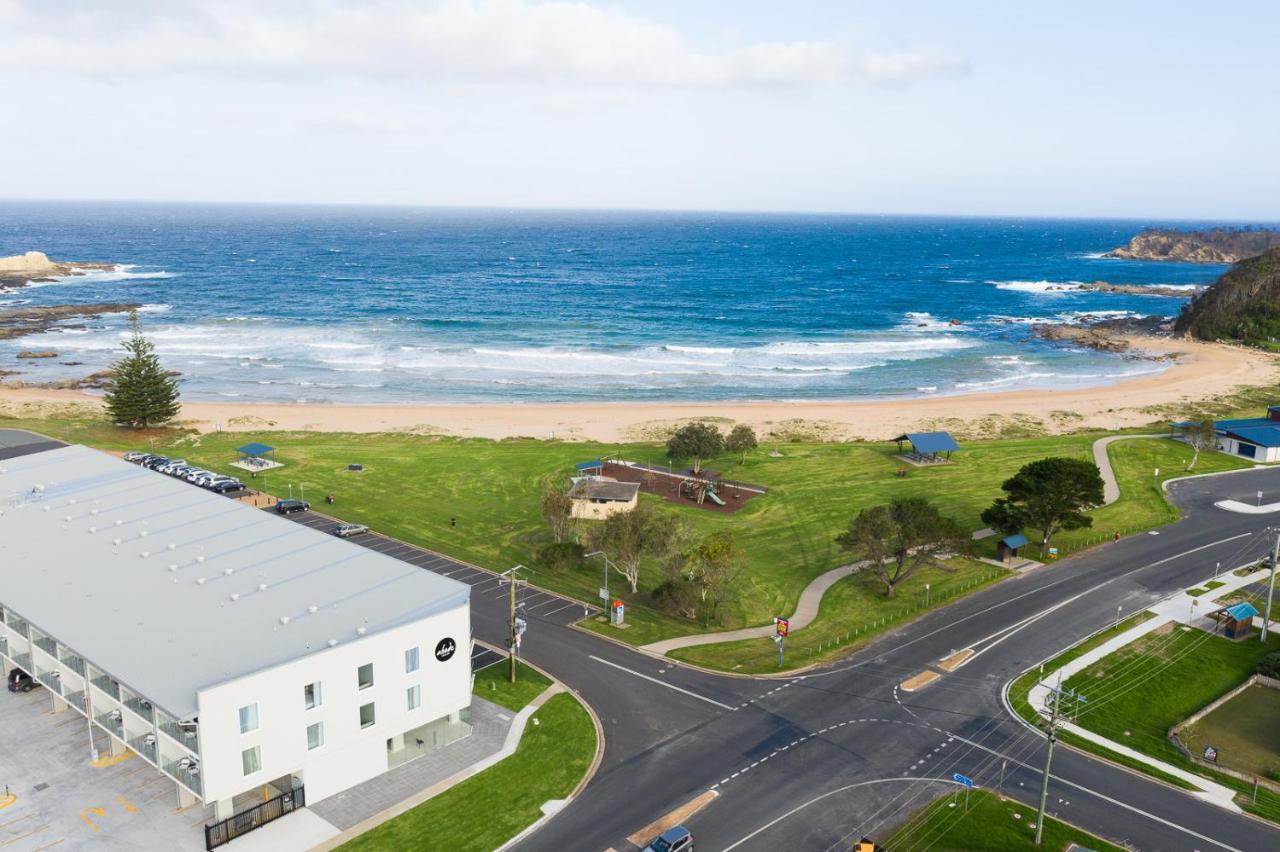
(1201, 371)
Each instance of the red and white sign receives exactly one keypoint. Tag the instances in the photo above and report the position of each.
(782, 626)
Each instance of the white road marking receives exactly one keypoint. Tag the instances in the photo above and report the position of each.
(664, 683)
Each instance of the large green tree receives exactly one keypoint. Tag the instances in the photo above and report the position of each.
(1047, 495)
(741, 440)
(900, 537)
(695, 441)
(140, 393)
(628, 537)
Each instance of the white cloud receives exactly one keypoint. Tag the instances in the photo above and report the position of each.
(450, 39)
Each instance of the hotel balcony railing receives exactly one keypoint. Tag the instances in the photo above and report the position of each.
(48, 645)
(71, 661)
(17, 625)
(51, 680)
(145, 745)
(184, 735)
(142, 707)
(4, 645)
(76, 699)
(107, 685)
(188, 778)
(112, 723)
(23, 661)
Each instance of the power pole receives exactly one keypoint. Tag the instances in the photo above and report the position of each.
(1052, 735)
(1271, 586)
(515, 625)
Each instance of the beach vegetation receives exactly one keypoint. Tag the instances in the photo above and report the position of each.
(900, 537)
(695, 441)
(140, 394)
(702, 579)
(741, 440)
(1047, 495)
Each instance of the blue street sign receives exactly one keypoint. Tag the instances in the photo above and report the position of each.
(962, 779)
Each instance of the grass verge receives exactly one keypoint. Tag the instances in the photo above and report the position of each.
(490, 808)
(991, 824)
(493, 683)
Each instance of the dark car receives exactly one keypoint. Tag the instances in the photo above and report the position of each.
(676, 839)
(20, 681)
(288, 507)
(227, 486)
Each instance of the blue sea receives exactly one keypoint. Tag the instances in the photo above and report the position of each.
(398, 305)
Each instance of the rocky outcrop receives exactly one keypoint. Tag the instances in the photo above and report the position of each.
(1140, 289)
(19, 270)
(1216, 245)
(19, 322)
(96, 381)
(1104, 335)
(48, 353)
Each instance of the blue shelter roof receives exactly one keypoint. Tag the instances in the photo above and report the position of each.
(1263, 436)
(1018, 540)
(931, 442)
(255, 449)
(1241, 611)
(589, 465)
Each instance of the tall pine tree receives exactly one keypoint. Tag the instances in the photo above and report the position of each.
(141, 393)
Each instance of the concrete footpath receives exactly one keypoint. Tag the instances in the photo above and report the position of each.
(1177, 609)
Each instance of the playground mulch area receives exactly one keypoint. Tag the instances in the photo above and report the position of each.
(1245, 731)
(667, 486)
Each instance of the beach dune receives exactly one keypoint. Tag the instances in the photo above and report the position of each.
(1198, 371)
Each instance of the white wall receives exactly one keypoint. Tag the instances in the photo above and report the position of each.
(349, 755)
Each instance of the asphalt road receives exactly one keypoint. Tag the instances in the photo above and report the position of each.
(811, 762)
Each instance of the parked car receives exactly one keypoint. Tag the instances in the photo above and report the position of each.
(134, 456)
(288, 507)
(172, 465)
(348, 530)
(20, 681)
(197, 473)
(226, 487)
(152, 462)
(676, 839)
(209, 479)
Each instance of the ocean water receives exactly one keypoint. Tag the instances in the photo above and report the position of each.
(396, 305)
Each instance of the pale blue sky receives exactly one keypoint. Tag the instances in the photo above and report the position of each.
(1144, 109)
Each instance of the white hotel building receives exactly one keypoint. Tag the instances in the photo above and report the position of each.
(229, 648)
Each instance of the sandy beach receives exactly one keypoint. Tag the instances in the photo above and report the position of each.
(1200, 371)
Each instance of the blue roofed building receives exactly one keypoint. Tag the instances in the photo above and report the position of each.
(1256, 438)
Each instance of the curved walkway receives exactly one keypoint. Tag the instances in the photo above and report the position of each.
(806, 612)
(1110, 487)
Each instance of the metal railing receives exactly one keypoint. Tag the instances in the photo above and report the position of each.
(76, 699)
(107, 685)
(224, 831)
(110, 720)
(51, 680)
(188, 775)
(142, 707)
(23, 661)
(185, 736)
(47, 644)
(19, 625)
(145, 745)
(4, 645)
(73, 662)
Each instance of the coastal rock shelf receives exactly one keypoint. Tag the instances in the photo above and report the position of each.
(19, 270)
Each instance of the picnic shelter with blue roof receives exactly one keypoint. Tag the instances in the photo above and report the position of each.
(1236, 620)
(256, 457)
(927, 447)
(1007, 548)
(1256, 438)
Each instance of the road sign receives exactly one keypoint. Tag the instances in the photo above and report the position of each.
(603, 593)
(962, 779)
(782, 626)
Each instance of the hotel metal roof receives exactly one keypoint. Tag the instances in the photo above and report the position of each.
(172, 589)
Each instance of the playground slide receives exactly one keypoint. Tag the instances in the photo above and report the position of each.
(714, 498)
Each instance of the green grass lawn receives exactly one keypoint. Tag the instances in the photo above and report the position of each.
(490, 808)
(1245, 731)
(415, 485)
(991, 824)
(1138, 693)
(493, 683)
(853, 611)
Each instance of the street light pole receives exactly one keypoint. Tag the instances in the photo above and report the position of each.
(1271, 587)
(1048, 759)
(605, 557)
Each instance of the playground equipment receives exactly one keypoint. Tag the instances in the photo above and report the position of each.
(699, 490)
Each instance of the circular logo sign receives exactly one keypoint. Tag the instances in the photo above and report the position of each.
(445, 649)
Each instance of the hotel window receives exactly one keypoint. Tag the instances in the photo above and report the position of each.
(248, 718)
(364, 678)
(411, 660)
(315, 736)
(366, 715)
(251, 760)
(311, 695)
(413, 697)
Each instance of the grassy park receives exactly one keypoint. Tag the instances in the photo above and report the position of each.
(478, 500)
(990, 824)
(490, 808)
(1245, 731)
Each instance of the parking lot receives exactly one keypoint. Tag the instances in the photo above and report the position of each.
(63, 802)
